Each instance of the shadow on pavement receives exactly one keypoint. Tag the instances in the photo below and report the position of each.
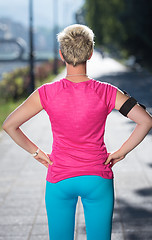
(136, 218)
(145, 192)
(139, 236)
(150, 165)
(137, 84)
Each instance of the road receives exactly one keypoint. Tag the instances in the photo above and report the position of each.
(22, 179)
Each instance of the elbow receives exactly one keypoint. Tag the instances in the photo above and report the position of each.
(5, 127)
(149, 121)
(8, 127)
(148, 124)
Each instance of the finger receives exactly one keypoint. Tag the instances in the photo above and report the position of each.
(113, 163)
(46, 165)
(50, 162)
(42, 161)
(47, 162)
(108, 160)
(48, 159)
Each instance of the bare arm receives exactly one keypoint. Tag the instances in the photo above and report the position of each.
(143, 122)
(29, 108)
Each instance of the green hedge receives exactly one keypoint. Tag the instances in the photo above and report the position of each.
(13, 88)
(16, 84)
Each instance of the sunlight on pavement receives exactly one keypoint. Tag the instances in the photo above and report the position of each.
(108, 65)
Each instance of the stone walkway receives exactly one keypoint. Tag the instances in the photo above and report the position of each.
(22, 179)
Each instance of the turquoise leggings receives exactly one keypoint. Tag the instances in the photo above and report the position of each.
(97, 196)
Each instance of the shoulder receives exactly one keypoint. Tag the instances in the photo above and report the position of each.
(100, 83)
(49, 88)
(49, 85)
(101, 87)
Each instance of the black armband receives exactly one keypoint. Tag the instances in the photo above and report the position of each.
(128, 105)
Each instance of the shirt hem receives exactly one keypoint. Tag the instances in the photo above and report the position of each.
(52, 180)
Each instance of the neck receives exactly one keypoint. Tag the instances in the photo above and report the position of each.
(80, 69)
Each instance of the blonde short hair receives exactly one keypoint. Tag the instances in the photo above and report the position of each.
(76, 43)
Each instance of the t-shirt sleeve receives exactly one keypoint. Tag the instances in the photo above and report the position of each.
(111, 92)
(43, 96)
(47, 93)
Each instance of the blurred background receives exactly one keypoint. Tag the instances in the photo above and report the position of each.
(28, 46)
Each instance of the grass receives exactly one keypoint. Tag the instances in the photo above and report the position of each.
(7, 107)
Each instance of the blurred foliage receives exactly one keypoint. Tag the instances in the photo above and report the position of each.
(122, 24)
(8, 107)
(16, 84)
(13, 84)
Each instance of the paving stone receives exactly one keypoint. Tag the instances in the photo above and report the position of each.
(23, 195)
(39, 237)
(15, 230)
(80, 236)
(136, 224)
(42, 210)
(32, 203)
(13, 238)
(81, 229)
(117, 227)
(41, 219)
(40, 229)
(16, 220)
(116, 215)
(117, 236)
(140, 235)
(4, 189)
(7, 177)
(16, 211)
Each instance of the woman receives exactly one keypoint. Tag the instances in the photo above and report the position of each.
(79, 164)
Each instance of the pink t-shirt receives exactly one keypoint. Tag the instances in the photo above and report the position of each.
(77, 113)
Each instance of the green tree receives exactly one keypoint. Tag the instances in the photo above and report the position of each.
(104, 17)
(123, 24)
(137, 23)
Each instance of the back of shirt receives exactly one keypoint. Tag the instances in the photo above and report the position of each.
(78, 112)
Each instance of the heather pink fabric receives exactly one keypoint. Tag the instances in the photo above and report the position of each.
(78, 112)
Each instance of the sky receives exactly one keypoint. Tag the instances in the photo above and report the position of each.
(43, 11)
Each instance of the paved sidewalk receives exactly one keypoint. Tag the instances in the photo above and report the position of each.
(22, 179)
